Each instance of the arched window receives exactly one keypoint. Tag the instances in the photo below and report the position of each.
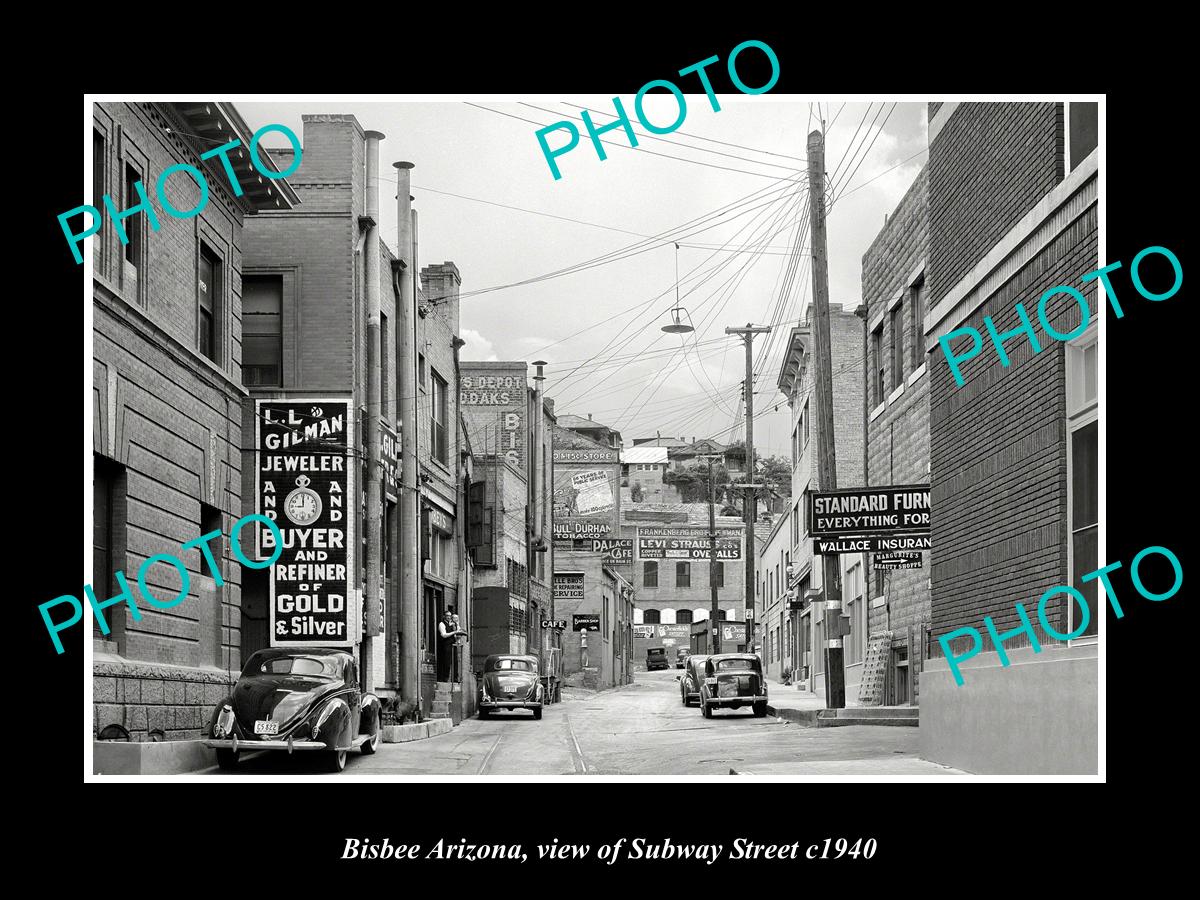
(683, 617)
(650, 617)
(637, 616)
(721, 616)
(700, 615)
(666, 616)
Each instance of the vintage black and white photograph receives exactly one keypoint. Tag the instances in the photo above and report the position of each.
(699, 432)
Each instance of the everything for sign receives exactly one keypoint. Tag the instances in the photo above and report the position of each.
(900, 509)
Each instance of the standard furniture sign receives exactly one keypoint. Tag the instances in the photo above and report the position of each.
(869, 512)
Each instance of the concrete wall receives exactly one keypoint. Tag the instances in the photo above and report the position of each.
(1037, 716)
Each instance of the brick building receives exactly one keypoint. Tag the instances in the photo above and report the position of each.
(805, 654)
(593, 562)
(1012, 191)
(313, 335)
(510, 507)
(897, 411)
(168, 389)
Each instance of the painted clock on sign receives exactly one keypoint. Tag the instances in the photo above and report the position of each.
(303, 505)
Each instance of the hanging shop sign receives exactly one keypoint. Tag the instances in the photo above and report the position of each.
(869, 512)
(687, 543)
(906, 543)
(896, 561)
(389, 459)
(585, 622)
(303, 478)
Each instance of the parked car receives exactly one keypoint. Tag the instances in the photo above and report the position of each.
(681, 656)
(510, 682)
(691, 679)
(656, 658)
(296, 700)
(732, 680)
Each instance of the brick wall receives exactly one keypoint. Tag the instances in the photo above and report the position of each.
(898, 438)
(998, 443)
(989, 165)
(171, 417)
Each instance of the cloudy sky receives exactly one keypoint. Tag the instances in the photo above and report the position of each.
(580, 271)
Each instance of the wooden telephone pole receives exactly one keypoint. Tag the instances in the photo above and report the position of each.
(835, 676)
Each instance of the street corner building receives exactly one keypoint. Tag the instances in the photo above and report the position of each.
(593, 562)
(168, 360)
(793, 624)
(1012, 197)
(510, 425)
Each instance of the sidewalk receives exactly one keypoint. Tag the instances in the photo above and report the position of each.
(802, 707)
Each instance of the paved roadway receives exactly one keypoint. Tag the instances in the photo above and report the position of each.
(638, 729)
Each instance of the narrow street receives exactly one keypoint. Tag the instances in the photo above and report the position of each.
(640, 729)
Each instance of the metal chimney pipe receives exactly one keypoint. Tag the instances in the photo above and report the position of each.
(410, 514)
(374, 486)
(539, 456)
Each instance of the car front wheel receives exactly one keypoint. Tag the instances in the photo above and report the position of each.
(335, 760)
(227, 759)
(484, 713)
(371, 744)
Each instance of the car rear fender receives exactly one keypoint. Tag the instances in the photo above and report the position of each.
(333, 723)
(370, 712)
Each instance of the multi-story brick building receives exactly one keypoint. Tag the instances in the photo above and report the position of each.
(1012, 193)
(314, 330)
(510, 506)
(897, 423)
(792, 563)
(167, 364)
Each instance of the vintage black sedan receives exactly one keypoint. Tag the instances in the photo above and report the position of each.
(692, 678)
(297, 699)
(732, 680)
(510, 682)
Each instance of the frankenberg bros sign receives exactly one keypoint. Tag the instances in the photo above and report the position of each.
(303, 484)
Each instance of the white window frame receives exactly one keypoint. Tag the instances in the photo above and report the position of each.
(1085, 416)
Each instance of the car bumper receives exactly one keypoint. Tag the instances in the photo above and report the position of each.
(655, 667)
(737, 701)
(510, 704)
(288, 745)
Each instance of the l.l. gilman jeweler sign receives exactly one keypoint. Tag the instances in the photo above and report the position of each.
(306, 485)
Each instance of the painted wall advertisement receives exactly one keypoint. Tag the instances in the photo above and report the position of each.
(585, 492)
(305, 484)
(568, 586)
(493, 400)
(687, 543)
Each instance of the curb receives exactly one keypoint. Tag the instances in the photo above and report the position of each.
(416, 731)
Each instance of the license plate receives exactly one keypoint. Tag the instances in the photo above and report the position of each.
(262, 726)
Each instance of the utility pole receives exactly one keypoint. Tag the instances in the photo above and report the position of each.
(835, 676)
(749, 506)
(713, 623)
(410, 513)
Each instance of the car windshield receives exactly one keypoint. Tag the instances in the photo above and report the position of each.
(735, 664)
(515, 665)
(657, 652)
(313, 666)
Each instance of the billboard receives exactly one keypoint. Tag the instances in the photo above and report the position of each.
(492, 397)
(586, 486)
(687, 543)
(568, 586)
(305, 484)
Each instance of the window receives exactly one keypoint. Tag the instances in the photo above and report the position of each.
(880, 366)
(917, 311)
(1082, 468)
(437, 427)
(898, 345)
(650, 574)
(805, 423)
(385, 411)
(804, 512)
(683, 575)
(262, 330)
(879, 576)
(208, 292)
(796, 523)
(1081, 129)
(683, 617)
(421, 372)
(721, 615)
(108, 544)
(439, 552)
(651, 617)
(99, 160)
(796, 445)
(134, 224)
(719, 573)
(855, 643)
